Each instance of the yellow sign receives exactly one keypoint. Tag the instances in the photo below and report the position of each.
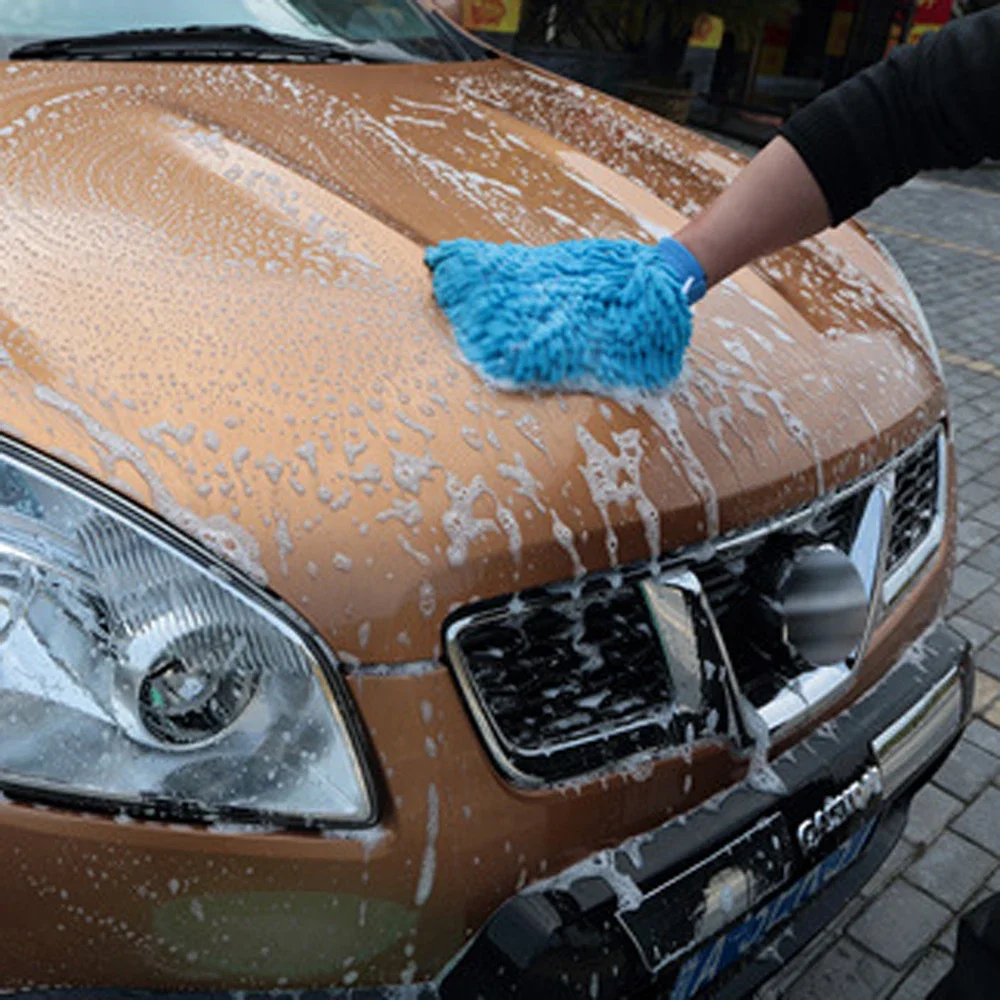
(502, 16)
(707, 32)
(919, 30)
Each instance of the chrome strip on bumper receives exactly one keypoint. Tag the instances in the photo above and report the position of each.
(920, 734)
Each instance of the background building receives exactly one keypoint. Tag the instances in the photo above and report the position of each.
(740, 66)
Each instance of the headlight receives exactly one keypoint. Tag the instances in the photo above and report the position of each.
(135, 674)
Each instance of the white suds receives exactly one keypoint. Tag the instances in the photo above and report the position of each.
(460, 523)
(410, 471)
(227, 539)
(425, 883)
(662, 412)
(615, 479)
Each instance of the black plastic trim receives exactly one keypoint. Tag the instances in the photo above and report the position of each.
(553, 942)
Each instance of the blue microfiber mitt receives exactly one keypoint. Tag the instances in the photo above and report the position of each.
(611, 314)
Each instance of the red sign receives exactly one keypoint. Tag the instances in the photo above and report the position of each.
(933, 12)
(930, 15)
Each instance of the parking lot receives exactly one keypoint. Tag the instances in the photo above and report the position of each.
(896, 940)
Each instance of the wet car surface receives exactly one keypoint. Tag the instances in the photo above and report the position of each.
(486, 637)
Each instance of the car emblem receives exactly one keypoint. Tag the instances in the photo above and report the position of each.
(838, 809)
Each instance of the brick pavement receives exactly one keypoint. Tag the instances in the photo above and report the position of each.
(895, 941)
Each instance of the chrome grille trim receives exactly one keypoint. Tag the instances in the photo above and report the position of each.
(813, 688)
(675, 706)
(908, 565)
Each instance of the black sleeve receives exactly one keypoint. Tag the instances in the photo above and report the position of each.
(936, 104)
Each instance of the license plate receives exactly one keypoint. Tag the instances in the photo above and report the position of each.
(714, 958)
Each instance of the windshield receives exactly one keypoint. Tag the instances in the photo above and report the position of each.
(403, 23)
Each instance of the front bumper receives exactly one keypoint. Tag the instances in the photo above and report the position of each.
(569, 938)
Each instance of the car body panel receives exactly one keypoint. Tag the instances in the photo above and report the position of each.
(213, 297)
(138, 889)
(213, 300)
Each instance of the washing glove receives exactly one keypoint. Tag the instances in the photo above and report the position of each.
(585, 314)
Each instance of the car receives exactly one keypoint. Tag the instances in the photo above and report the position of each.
(327, 664)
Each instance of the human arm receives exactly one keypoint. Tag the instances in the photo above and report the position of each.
(936, 104)
(774, 202)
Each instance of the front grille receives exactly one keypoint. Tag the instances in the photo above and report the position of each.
(731, 585)
(572, 679)
(725, 585)
(568, 682)
(619, 672)
(837, 523)
(916, 501)
(725, 577)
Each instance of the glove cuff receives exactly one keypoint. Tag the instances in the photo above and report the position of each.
(685, 266)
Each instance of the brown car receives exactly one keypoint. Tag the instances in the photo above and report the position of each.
(324, 663)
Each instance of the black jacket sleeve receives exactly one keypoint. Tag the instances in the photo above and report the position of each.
(936, 104)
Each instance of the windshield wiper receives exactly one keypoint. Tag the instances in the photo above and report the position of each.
(209, 42)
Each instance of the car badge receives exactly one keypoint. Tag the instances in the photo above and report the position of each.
(838, 809)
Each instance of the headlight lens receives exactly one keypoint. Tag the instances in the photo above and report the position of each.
(134, 674)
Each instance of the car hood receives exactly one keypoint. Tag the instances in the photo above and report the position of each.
(212, 298)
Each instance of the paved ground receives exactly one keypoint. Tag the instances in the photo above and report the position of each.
(896, 940)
